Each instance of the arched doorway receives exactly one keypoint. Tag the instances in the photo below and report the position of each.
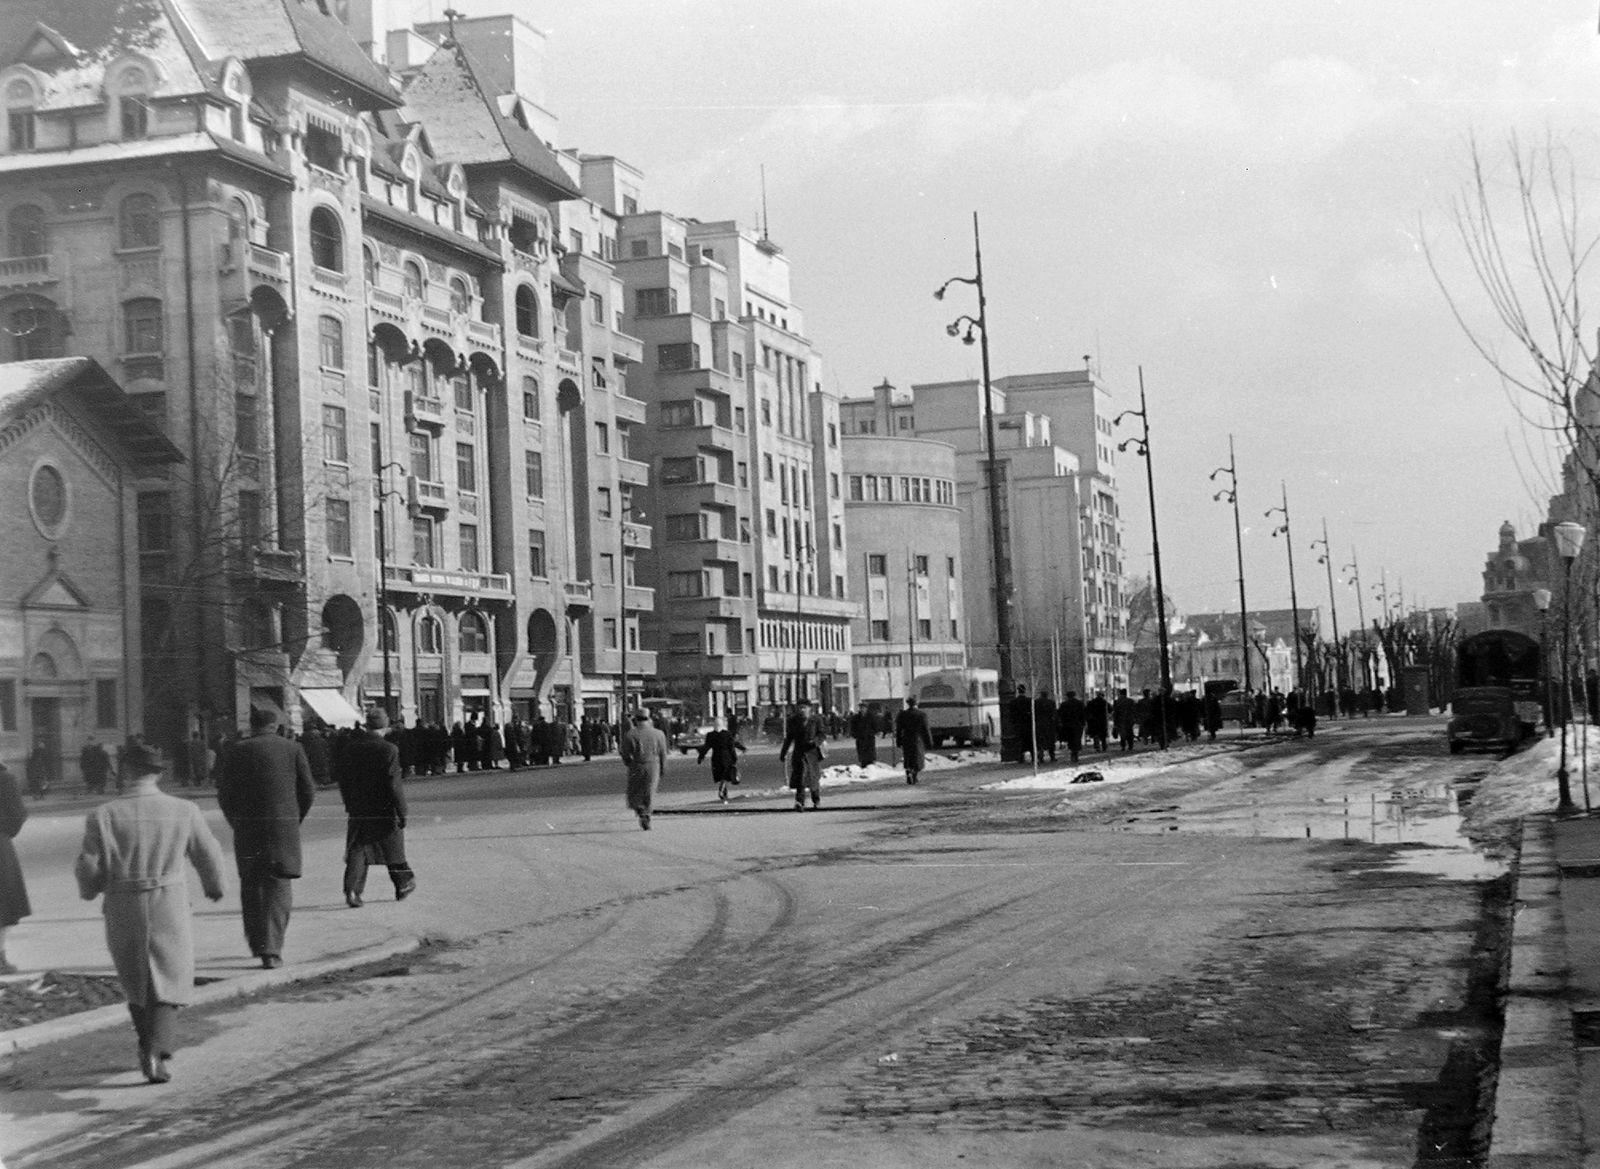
(55, 684)
(343, 632)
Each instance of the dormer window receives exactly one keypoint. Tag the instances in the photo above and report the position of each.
(19, 116)
(324, 148)
(133, 103)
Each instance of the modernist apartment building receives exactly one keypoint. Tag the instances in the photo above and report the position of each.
(353, 312)
(1060, 519)
(903, 529)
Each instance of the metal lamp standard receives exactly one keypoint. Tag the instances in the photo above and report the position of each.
(1541, 602)
(1569, 542)
(1361, 615)
(1326, 560)
(1231, 494)
(1141, 447)
(383, 492)
(626, 514)
(1294, 599)
(971, 329)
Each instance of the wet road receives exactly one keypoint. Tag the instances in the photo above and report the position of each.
(1166, 972)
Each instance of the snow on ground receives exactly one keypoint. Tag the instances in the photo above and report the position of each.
(848, 773)
(1525, 783)
(1201, 758)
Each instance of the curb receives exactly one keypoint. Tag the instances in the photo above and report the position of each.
(68, 1026)
(1536, 1117)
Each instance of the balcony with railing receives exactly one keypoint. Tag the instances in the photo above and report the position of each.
(27, 271)
(242, 267)
(427, 493)
(629, 410)
(635, 536)
(632, 471)
(579, 594)
(272, 564)
(638, 599)
(424, 409)
(626, 350)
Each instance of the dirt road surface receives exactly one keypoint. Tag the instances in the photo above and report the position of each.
(1213, 966)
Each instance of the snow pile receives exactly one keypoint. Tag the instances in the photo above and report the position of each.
(1525, 783)
(847, 773)
(1195, 758)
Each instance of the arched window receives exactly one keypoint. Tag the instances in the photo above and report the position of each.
(139, 226)
(460, 298)
(527, 312)
(238, 221)
(327, 240)
(133, 103)
(474, 634)
(388, 635)
(369, 265)
(430, 638)
(531, 409)
(412, 273)
(35, 328)
(330, 342)
(20, 101)
(25, 231)
(141, 325)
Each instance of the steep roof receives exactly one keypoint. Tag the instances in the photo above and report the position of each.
(447, 91)
(25, 384)
(266, 30)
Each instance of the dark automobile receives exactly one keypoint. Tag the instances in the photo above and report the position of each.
(1498, 694)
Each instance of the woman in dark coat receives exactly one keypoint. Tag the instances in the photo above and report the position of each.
(724, 747)
(13, 893)
(460, 746)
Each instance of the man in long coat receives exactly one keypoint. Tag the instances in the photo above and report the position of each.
(913, 737)
(134, 848)
(803, 735)
(1071, 717)
(14, 904)
(265, 788)
(1099, 728)
(1044, 724)
(863, 728)
(1123, 713)
(644, 753)
(375, 800)
(1022, 722)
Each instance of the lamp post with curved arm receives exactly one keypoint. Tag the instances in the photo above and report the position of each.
(1361, 614)
(1141, 446)
(1294, 599)
(1326, 560)
(1231, 494)
(626, 514)
(383, 491)
(971, 329)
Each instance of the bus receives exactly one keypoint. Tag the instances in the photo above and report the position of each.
(1499, 691)
(962, 705)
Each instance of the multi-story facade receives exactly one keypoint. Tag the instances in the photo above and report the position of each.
(903, 529)
(352, 309)
(1511, 574)
(1059, 511)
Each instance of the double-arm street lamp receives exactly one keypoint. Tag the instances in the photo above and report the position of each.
(1361, 615)
(1141, 445)
(1294, 599)
(1231, 494)
(971, 329)
(1569, 542)
(1325, 558)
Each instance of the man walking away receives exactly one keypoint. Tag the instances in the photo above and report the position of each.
(863, 729)
(724, 746)
(134, 848)
(644, 754)
(1022, 722)
(375, 800)
(265, 789)
(1071, 718)
(96, 767)
(1122, 715)
(1099, 731)
(1044, 723)
(14, 904)
(913, 737)
(803, 735)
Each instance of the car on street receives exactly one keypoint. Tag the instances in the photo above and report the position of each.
(695, 737)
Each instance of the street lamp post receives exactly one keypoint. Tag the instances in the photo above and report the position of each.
(383, 492)
(1141, 447)
(1361, 616)
(626, 514)
(803, 556)
(1294, 599)
(1326, 560)
(971, 329)
(1569, 542)
(1541, 602)
(1231, 494)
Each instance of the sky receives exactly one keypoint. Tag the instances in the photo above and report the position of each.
(1237, 198)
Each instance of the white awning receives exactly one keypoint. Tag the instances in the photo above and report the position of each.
(331, 707)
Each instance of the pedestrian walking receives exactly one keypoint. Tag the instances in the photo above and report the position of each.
(1071, 718)
(802, 746)
(265, 789)
(1044, 725)
(134, 849)
(1022, 721)
(724, 747)
(14, 904)
(1099, 728)
(1212, 711)
(644, 754)
(96, 767)
(1123, 713)
(914, 739)
(863, 727)
(372, 787)
(196, 772)
(315, 744)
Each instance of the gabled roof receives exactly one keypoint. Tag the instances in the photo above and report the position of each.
(25, 384)
(447, 91)
(266, 30)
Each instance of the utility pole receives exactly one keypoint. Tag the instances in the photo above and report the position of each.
(1142, 448)
(971, 329)
(1361, 613)
(1232, 495)
(1294, 599)
(1326, 560)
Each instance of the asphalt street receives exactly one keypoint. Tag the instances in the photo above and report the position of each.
(1210, 965)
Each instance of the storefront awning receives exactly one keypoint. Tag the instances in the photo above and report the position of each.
(331, 707)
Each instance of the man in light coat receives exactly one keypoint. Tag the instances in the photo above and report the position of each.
(265, 788)
(644, 754)
(375, 801)
(134, 848)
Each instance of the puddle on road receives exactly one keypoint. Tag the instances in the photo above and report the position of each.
(1338, 802)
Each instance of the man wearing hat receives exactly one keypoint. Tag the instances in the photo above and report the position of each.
(804, 735)
(134, 848)
(368, 771)
(265, 788)
(644, 754)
